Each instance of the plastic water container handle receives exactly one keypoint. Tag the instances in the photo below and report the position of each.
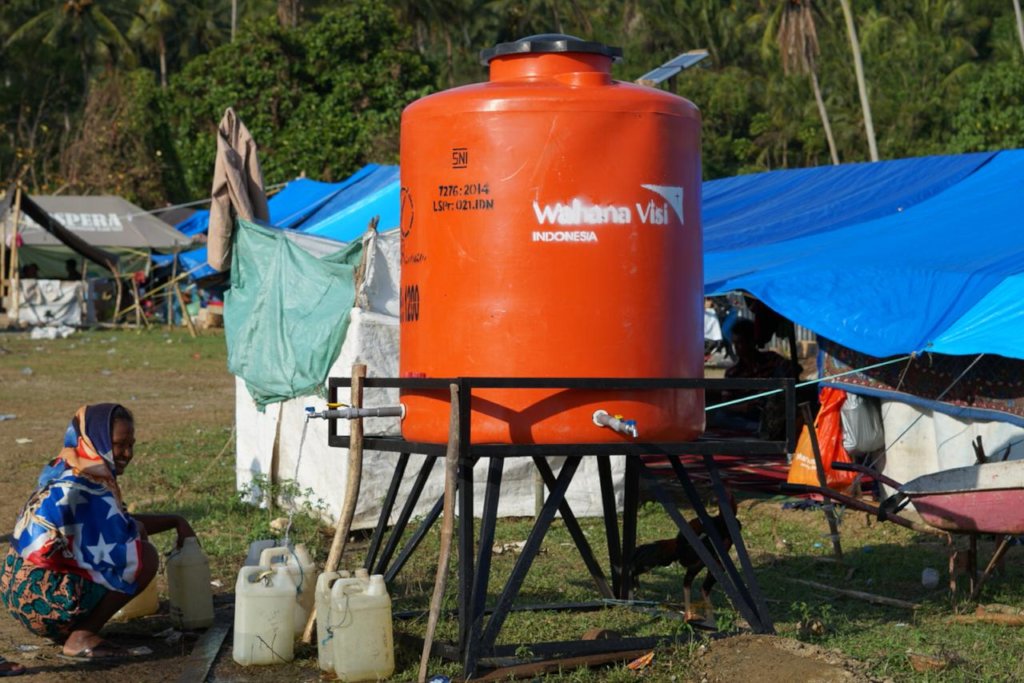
(268, 556)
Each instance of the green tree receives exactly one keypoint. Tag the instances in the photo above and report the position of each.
(123, 146)
(990, 116)
(323, 99)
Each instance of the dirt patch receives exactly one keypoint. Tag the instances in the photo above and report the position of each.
(770, 659)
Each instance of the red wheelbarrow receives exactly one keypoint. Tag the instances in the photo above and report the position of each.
(987, 498)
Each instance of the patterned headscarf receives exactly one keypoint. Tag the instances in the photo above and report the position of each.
(88, 444)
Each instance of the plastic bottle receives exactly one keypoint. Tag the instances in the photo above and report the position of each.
(324, 637)
(303, 572)
(360, 622)
(144, 603)
(188, 586)
(264, 616)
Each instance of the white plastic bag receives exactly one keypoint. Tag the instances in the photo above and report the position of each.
(862, 425)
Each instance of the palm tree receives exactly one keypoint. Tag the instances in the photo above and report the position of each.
(149, 28)
(85, 24)
(858, 68)
(1020, 22)
(798, 46)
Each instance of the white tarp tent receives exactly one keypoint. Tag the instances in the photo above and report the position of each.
(920, 441)
(269, 443)
(51, 302)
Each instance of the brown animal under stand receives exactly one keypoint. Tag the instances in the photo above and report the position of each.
(664, 552)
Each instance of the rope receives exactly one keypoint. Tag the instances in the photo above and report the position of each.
(937, 398)
(185, 205)
(808, 383)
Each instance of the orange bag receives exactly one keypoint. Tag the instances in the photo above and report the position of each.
(829, 428)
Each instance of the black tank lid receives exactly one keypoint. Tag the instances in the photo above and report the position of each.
(549, 42)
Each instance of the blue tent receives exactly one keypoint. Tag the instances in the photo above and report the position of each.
(347, 214)
(885, 258)
(288, 208)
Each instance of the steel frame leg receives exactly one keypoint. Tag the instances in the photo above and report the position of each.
(385, 511)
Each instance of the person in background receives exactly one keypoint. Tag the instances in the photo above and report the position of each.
(76, 555)
(71, 266)
(764, 416)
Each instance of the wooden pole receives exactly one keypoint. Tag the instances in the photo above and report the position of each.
(120, 294)
(451, 464)
(184, 311)
(355, 476)
(15, 281)
(140, 318)
(3, 263)
(170, 294)
(830, 513)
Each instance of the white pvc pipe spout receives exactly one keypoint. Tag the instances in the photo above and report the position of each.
(618, 424)
(355, 413)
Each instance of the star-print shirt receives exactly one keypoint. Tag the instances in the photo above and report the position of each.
(75, 522)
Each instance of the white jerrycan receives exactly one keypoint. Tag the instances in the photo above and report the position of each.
(188, 586)
(303, 572)
(324, 637)
(360, 623)
(264, 616)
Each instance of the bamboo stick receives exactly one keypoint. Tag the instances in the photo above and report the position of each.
(3, 263)
(867, 597)
(184, 311)
(15, 282)
(355, 475)
(451, 464)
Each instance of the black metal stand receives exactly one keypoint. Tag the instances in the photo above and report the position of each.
(480, 625)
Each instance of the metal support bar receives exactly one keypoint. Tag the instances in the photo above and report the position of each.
(711, 530)
(611, 521)
(630, 503)
(790, 392)
(733, 527)
(385, 511)
(488, 522)
(403, 519)
(741, 602)
(529, 552)
(572, 525)
(826, 503)
(410, 546)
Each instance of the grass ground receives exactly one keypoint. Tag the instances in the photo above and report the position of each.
(184, 402)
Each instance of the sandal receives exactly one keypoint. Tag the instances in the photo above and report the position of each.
(10, 668)
(104, 651)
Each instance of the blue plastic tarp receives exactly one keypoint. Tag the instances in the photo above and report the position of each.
(348, 213)
(196, 224)
(302, 197)
(940, 269)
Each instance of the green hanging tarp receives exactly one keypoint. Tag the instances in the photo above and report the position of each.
(286, 313)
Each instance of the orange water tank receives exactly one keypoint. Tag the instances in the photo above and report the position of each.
(551, 228)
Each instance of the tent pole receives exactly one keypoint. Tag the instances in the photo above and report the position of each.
(140, 317)
(3, 264)
(170, 295)
(184, 312)
(117, 299)
(15, 281)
